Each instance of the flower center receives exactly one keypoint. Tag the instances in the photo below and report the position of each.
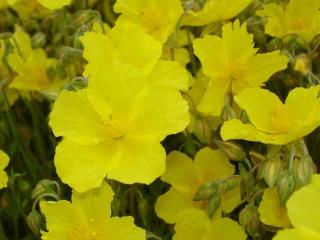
(110, 129)
(80, 233)
(280, 120)
(153, 19)
(297, 25)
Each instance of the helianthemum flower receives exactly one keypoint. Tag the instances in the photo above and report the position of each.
(114, 128)
(300, 17)
(4, 161)
(194, 224)
(272, 121)
(212, 11)
(304, 213)
(185, 176)
(232, 63)
(87, 217)
(31, 66)
(157, 18)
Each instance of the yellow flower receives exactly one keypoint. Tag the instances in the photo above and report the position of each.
(300, 17)
(271, 212)
(214, 10)
(157, 18)
(185, 176)
(272, 121)
(114, 128)
(193, 224)
(232, 64)
(304, 213)
(125, 44)
(27, 9)
(4, 161)
(87, 217)
(31, 66)
(54, 4)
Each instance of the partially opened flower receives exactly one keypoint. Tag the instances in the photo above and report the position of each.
(272, 121)
(157, 18)
(301, 17)
(31, 66)
(194, 224)
(212, 11)
(87, 217)
(271, 212)
(114, 128)
(304, 213)
(185, 176)
(4, 161)
(232, 63)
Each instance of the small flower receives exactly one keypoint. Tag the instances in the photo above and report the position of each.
(4, 161)
(214, 10)
(157, 18)
(114, 128)
(31, 66)
(186, 176)
(271, 212)
(87, 217)
(303, 211)
(232, 63)
(300, 17)
(274, 122)
(194, 224)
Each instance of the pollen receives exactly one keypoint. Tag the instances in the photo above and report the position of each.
(110, 129)
(80, 232)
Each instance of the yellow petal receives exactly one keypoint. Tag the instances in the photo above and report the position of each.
(304, 207)
(84, 167)
(226, 229)
(4, 161)
(271, 212)
(212, 165)
(192, 224)
(54, 4)
(297, 234)
(141, 161)
(179, 172)
(67, 117)
(170, 205)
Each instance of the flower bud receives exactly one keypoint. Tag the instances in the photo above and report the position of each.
(249, 220)
(206, 191)
(302, 64)
(46, 187)
(257, 157)
(194, 5)
(214, 204)
(286, 186)
(201, 129)
(35, 222)
(302, 170)
(271, 171)
(233, 150)
(38, 40)
(227, 113)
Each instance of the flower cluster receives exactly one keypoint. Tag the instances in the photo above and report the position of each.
(159, 119)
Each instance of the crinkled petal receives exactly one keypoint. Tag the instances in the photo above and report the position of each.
(73, 117)
(271, 212)
(171, 204)
(226, 229)
(84, 167)
(297, 234)
(141, 161)
(212, 165)
(179, 172)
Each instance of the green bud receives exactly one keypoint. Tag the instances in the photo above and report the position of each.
(194, 5)
(272, 170)
(35, 222)
(249, 220)
(286, 186)
(46, 187)
(77, 83)
(202, 130)
(233, 150)
(302, 64)
(38, 40)
(206, 191)
(257, 157)
(302, 170)
(227, 113)
(214, 204)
